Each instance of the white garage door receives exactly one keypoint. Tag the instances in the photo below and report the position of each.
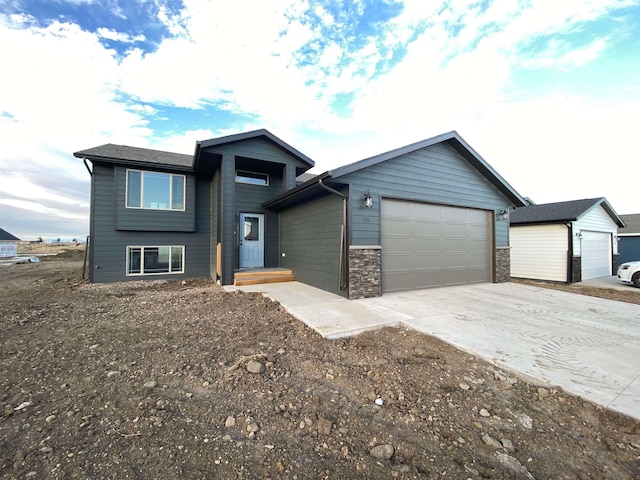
(596, 254)
(426, 245)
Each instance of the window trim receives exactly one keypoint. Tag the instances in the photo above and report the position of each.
(142, 207)
(257, 174)
(142, 248)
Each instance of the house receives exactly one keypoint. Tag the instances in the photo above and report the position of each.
(565, 241)
(8, 244)
(429, 214)
(629, 238)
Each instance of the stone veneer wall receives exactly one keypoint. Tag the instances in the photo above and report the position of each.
(615, 264)
(576, 269)
(365, 272)
(503, 265)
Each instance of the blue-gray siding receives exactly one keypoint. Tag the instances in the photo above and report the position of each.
(215, 220)
(260, 149)
(436, 174)
(248, 200)
(310, 241)
(629, 249)
(109, 246)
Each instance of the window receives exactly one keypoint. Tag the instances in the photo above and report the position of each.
(155, 260)
(252, 178)
(154, 190)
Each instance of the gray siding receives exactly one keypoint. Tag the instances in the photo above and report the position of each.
(629, 248)
(108, 262)
(227, 220)
(310, 241)
(257, 148)
(136, 219)
(248, 200)
(214, 207)
(436, 174)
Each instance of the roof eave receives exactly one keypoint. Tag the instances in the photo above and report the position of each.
(295, 191)
(458, 143)
(135, 163)
(255, 134)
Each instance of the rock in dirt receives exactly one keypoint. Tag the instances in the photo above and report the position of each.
(230, 422)
(492, 442)
(512, 464)
(255, 367)
(382, 452)
(151, 384)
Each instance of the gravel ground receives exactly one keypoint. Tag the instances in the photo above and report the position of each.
(184, 380)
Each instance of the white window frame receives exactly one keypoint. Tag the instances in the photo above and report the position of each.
(239, 174)
(171, 175)
(142, 248)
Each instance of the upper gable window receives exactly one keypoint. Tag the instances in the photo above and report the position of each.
(252, 178)
(155, 190)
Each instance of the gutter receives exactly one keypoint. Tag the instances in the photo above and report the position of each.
(342, 262)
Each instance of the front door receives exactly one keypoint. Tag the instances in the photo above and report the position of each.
(251, 240)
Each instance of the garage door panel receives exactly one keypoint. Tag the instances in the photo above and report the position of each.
(439, 245)
(596, 254)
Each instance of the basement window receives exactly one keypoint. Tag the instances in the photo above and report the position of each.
(252, 178)
(155, 260)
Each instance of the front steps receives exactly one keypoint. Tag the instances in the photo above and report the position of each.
(257, 276)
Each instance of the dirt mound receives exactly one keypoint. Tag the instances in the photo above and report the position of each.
(184, 380)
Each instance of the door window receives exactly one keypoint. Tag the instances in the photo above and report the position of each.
(252, 229)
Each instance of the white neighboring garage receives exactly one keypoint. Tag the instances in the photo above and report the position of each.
(565, 241)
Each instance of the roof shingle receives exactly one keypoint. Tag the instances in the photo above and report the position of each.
(112, 153)
(559, 211)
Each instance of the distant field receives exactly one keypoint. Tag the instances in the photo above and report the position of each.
(47, 248)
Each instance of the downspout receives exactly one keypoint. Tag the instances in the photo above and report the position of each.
(87, 244)
(569, 226)
(84, 160)
(342, 272)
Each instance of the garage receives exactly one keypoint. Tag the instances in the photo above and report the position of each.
(426, 245)
(596, 254)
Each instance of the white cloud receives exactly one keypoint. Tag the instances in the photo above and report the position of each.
(63, 90)
(111, 34)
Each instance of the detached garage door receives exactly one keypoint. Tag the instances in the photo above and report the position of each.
(596, 254)
(426, 245)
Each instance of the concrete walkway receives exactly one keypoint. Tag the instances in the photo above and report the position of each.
(588, 346)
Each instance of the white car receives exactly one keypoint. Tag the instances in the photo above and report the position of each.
(630, 272)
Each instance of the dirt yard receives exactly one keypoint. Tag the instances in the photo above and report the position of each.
(163, 380)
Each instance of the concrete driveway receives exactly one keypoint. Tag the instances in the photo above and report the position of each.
(588, 346)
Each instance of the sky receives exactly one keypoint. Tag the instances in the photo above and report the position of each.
(546, 91)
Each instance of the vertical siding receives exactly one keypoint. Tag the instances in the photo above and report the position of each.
(109, 245)
(595, 220)
(540, 252)
(436, 174)
(310, 241)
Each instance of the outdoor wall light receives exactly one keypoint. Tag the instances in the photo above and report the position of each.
(368, 201)
(504, 213)
(579, 235)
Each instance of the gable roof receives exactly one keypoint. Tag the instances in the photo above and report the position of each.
(112, 153)
(266, 134)
(7, 237)
(451, 138)
(632, 224)
(561, 212)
